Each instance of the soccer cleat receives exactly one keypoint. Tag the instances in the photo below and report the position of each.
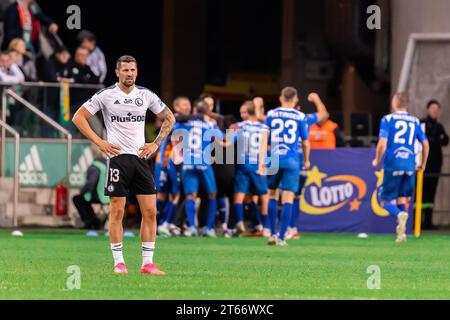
(190, 232)
(152, 269)
(163, 231)
(174, 230)
(401, 226)
(281, 243)
(272, 240)
(401, 238)
(266, 233)
(211, 233)
(240, 228)
(228, 233)
(289, 234)
(224, 227)
(255, 234)
(120, 268)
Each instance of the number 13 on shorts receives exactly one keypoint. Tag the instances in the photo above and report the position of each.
(114, 175)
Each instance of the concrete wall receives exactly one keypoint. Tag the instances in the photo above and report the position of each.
(409, 16)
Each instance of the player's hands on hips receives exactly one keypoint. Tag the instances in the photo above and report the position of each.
(109, 149)
(148, 150)
(307, 165)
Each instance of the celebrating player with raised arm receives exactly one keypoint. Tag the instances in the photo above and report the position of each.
(287, 126)
(124, 106)
(250, 170)
(311, 118)
(398, 133)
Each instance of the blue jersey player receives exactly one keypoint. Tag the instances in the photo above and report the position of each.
(286, 126)
(311, 118)
(170, 172)
(197, 165)
(252, 137)
(398, 133)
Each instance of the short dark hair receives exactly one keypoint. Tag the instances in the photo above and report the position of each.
(86, 35)
(125, 59)
(178, 99)
(289, 93)
(431, 102)
(205, 95)
(251, 110)
(201, 107)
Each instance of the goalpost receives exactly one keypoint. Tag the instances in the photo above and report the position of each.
(426, 74)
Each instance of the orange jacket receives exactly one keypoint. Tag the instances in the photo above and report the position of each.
(323, 137)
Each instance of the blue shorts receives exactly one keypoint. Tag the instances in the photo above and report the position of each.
(170, 179)
(397, 184)
(286, 179)
(194, 175)
(249, 182)
(301, 182)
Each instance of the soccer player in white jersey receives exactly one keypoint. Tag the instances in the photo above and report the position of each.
(124, 106)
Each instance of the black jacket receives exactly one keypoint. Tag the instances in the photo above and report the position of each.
(12, 27)
(437, 138)
(83, 74)
(92, 177)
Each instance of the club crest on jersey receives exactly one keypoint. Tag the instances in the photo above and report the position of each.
(139, 102)
(111, 188)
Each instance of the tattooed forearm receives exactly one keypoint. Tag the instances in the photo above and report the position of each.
(168, 119)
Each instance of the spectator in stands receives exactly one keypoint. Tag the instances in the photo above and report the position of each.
(9, 71)
(80, 70)
(92, 192)
(438, 138)
(96, 59)
(326, 135)
(23, 59)
(23, 19)
(57, 68)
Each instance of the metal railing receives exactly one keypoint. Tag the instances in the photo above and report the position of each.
(16, 167)
(41, 115)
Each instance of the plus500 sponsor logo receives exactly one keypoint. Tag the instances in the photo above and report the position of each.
(128, 118)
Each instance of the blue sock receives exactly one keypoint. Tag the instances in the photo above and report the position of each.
(286, 214)
(211, 213)
(160, 205)
(166, 212)
(170, 212)
(273, 213)
(295, 214)
(254, 211)
(266, 221)
(391, 208)
(239, 212)
(222, 210)
(190, 212)
(402, 207)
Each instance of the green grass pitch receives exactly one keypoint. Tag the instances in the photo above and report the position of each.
(318, 266)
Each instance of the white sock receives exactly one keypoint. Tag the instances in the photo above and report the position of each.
(147, 252)
(117, 252)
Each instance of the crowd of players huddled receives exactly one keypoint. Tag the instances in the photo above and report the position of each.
(231, 190)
